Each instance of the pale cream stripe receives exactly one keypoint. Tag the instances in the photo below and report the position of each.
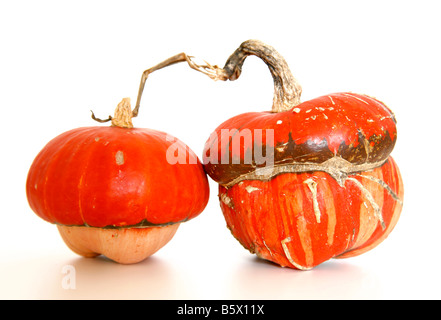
(328, 198)
(305, 240)
(396, 214)
(375, 199)
(288, 255)
(312, 185)
(304, 234)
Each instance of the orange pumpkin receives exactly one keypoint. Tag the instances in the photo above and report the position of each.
(118, 190)
(307, 181)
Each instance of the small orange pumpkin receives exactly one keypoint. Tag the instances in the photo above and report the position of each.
(117, 190)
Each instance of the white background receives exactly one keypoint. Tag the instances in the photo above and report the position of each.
(60, 59)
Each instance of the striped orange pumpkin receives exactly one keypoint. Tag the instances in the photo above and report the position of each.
(303, 219)
(328, 187)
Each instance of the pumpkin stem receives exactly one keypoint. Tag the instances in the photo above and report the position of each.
(123, 114)
(214, 72)
(122, 117)
(287, 90)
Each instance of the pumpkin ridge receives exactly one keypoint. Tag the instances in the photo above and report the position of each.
(142, 224)
(337, 167)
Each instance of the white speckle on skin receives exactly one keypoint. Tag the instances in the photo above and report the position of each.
(332, 101)
(296, 110)
(279, 121)
(282, 147)
(359, 99)
(251, 189)
(308, 111)
(119, 157)
(226, 200)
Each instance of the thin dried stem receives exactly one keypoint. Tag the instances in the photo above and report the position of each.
(100, 120)
(287, 90)
(214, 72)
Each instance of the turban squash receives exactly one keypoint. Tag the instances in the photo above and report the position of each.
(118, 190)
(307, 181)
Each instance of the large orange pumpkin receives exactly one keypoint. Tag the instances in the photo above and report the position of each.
(119, 191)
(307, 181)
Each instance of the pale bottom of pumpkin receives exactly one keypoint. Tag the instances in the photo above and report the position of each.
(125, 245)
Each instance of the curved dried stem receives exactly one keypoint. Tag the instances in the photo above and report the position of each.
(287, 90)
(213, 71)
(100, 120)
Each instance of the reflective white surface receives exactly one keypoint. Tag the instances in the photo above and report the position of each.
(203, 261)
